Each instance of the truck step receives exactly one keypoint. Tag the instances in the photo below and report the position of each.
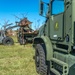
(59, 49)
(54, 71)
(59, 67)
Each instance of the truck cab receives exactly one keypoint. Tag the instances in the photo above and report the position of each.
(55, 46)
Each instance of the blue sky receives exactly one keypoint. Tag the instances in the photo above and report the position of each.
(8, 8)
(30, 8)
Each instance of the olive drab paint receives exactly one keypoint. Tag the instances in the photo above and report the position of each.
(58, 36)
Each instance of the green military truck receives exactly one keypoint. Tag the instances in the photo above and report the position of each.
(25, 33)
(55, 43)
(5, 39)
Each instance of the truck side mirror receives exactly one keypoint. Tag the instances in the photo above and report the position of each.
(41, 7)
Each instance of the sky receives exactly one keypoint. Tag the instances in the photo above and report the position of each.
(20, 8)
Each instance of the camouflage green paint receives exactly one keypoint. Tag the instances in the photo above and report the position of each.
(58, 34)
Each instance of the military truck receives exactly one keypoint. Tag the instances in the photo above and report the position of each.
(55, 43)
(25, 33)
(4, 38)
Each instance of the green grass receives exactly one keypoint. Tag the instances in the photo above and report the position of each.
(17, 60)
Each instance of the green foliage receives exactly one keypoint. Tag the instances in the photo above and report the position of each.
(17, 60)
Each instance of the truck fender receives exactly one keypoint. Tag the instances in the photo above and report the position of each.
(48, 44)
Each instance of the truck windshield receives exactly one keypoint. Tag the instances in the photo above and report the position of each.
(57, 7)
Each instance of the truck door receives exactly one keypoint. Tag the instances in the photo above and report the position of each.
(57, 20)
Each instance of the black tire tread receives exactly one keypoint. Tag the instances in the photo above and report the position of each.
(8, 38)
(42, 69)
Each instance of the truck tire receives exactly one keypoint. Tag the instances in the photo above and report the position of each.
(22, 41)
(40, 60)
(8, 41)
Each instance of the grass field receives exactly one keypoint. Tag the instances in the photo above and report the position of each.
(17, 60)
